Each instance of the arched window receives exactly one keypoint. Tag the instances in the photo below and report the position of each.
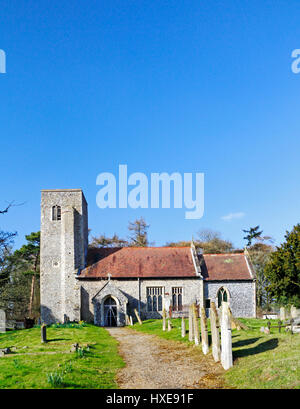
(159, 303)
(149, 303)
(174, 302)
(222, 296)
(177, 298)
(154, 298)
(154, 303)
(56, 213)
(179, 302)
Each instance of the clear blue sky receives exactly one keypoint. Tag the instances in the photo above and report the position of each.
(162, 86)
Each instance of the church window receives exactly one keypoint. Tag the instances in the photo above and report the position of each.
(56, 213)
(177, 298)
(222, 296)
(154, 298)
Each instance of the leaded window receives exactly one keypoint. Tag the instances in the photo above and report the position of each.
(222, 296)
(154, 298)
(177, 298)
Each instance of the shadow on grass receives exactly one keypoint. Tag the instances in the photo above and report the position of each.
(244, 342)
(262, 347)
(58, 339)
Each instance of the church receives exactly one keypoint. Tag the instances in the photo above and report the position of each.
(104, 285)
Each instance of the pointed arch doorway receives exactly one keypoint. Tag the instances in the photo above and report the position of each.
(110, 312)
(110, 306)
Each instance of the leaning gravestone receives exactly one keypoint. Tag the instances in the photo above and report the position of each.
(2, 321)
(226, 341)
(138, 317)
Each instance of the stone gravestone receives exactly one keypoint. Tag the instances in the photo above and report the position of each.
(167, 304)
(44, 334)
(191, 324)
(294, 312)
(164, 314)
(204, 333)
(215, 336)
(2, 321)
(138, 316)
(169, 325)
(226, 341)
(183, 327)
(196, 325)
(282, 314)
(131, 320)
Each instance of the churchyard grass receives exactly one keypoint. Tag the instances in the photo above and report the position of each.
(261, 361)
(52, 365)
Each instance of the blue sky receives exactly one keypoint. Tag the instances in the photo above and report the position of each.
(162, 86)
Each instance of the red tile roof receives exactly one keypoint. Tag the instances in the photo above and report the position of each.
(143, 262)
(133, 262)
(225, 267)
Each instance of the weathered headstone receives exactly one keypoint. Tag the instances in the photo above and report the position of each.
(226, 341)
(183, 331)
(2, 321)
(196, 326)
(294, 312)
(282, 314)
(191, 324)
(265, 330)
(204, 333)
(131, 320)
(127, 320)
(44, 334)
(138, 316)
(164, 314)
(169, 325)
(215, 335)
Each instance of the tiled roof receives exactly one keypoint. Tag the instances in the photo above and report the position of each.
(142, 262)
(133, 262)
(225, 267)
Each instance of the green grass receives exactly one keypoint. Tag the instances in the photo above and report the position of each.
(51, 365)
(261, 361)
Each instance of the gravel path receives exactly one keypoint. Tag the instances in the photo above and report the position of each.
(156, 363)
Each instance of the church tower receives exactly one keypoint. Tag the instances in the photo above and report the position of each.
(64, 242)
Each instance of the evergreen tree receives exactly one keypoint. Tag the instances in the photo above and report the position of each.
(253, 233)
(27, 261)
(283, 269)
